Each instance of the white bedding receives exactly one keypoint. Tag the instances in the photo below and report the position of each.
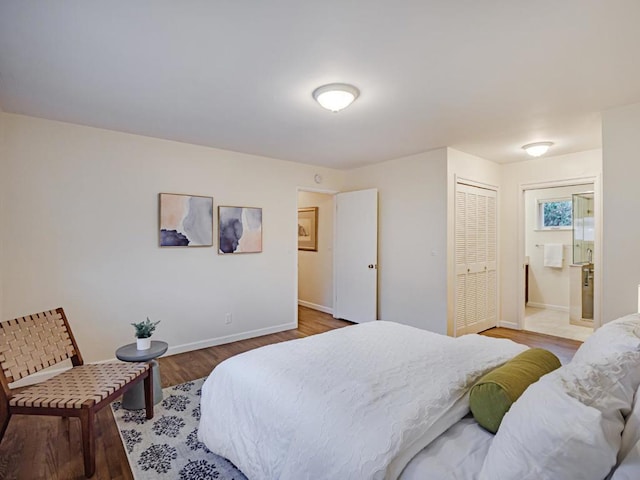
(457, 454)
(354, 403)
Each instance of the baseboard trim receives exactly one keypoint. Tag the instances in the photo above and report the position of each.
(558, 308)
(315, 306)
(186, 347)
(512, 325)
(212, 342)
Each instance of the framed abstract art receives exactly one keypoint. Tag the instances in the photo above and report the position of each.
(185, 220)
(239, 230)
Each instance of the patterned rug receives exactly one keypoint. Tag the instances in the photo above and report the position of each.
(167, 446)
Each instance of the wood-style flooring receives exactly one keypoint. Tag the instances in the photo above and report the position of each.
(50, 448)
(563, 348)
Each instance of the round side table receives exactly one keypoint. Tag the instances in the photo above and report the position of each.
(133, 399)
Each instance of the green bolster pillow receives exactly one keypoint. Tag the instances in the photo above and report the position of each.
(492, 396)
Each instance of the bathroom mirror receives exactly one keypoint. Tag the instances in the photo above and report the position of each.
(583, 227)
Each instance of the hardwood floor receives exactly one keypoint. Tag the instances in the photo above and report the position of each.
(563, 348)
(197, 364)
(50, 448)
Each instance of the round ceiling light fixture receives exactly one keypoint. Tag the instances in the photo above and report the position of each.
(336, 96)
(537, 149)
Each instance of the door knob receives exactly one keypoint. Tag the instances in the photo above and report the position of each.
(371, 265)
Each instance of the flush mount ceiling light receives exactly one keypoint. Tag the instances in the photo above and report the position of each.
(537, 149)
(336, 96)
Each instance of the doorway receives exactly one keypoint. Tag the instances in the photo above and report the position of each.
(337, 261)
(315, 251)
(561, 252)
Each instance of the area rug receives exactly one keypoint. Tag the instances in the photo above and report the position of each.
(167, 446)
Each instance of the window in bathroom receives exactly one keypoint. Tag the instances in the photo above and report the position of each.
(555, 214)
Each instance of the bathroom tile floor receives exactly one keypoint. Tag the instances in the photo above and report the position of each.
(553, 322)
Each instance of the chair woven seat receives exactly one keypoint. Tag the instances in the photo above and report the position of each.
(79, 387)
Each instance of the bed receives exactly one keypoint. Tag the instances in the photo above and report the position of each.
(384, 401)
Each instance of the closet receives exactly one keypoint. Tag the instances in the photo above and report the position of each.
(476, 284)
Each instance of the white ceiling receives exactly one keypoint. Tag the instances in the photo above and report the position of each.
(484, 76)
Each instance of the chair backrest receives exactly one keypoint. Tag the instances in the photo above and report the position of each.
(32, 343)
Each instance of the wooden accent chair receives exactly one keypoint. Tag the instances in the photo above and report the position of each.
(34, 342)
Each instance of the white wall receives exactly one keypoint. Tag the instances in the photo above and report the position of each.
(315, 269)
(78, 209)
(514, 176)
(548, 287)
(620, 129)
(80, 230)
(412, 246)
(465, 167)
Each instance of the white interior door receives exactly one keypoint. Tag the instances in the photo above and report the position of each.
(476, 289)
(356, 256)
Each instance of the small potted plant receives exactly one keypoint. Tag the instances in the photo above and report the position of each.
(144, 330)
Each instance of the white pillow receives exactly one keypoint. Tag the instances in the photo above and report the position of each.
(618, 336)
(567, 425)
(629, 469)
(629, 454)
(631, 433)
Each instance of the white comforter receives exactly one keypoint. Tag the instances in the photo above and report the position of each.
(354, 403)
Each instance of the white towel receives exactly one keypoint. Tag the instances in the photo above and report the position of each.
(553, 255)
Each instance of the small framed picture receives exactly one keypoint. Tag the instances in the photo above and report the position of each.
(239, 230)
(185, 220)
(308, 229)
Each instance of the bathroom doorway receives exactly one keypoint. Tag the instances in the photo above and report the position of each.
(559, 253)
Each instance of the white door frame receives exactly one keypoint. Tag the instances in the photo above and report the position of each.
(596, 180)
(333, 241)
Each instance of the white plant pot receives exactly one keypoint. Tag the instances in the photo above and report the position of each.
(143, 343)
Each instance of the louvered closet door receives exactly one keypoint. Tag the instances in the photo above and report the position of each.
(475, 258)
